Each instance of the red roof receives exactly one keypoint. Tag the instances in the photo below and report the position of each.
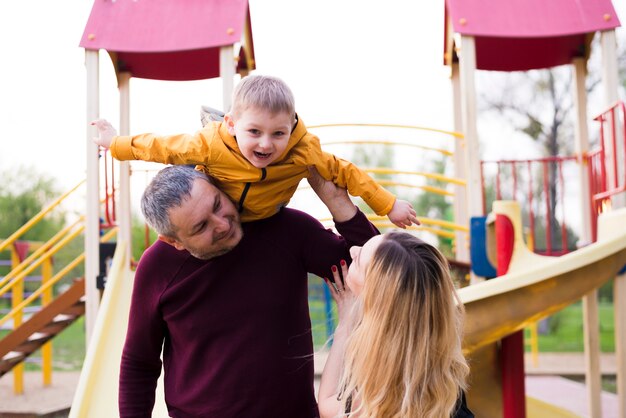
(525, 34)
(169, 39)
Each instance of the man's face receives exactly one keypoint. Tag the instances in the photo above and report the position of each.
(262, 136)
(206, 224)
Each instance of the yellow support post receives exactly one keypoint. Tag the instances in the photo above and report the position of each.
(533, 340)
(17, 296)
(46, 349)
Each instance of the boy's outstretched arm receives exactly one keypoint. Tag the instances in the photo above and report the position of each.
(402, 214)
(346, 174)
(335, 198)
(106, 132)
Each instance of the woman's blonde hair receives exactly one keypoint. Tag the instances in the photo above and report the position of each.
(404, 358)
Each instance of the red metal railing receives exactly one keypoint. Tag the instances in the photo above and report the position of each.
(519, 180)
(109, 191)
(606, 175)
(542, 200)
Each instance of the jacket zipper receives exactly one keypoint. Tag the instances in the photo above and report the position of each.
(246, 188)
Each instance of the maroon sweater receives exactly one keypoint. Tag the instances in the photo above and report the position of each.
(235, 330)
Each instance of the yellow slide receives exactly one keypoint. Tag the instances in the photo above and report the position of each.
(535, 287)
(96, 394)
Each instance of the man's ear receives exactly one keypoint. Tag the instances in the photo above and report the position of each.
(171, 241)
(230, 123)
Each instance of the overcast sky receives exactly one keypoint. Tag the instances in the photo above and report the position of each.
(346, 61)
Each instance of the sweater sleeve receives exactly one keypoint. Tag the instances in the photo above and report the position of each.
(141, 356)
(170, 149)
(322, 248)
(347, 175)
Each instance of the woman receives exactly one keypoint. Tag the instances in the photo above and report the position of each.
(397, 347)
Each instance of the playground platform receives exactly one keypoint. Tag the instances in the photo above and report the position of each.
(543, 382)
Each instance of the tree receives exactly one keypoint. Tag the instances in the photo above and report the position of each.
(436, 206)
(538, 104)
(138, 235)
(427, 204)
(24, 192)
(373, 156)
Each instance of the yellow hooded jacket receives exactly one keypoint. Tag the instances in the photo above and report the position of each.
(257, 192)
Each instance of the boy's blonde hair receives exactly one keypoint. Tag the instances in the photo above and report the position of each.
(263, 92)
(403, 358)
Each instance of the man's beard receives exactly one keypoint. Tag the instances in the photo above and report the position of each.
(221, 251)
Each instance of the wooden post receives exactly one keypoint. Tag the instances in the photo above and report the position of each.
(227, 73)
(92, 218)
(619, 306)
(460, 171)
(581, 141)
(468, 109)
(124, 220)
(591, 321)
(610, 80)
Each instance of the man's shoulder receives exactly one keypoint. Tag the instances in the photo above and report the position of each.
(286, 221)
(161, 256)
(295, 217)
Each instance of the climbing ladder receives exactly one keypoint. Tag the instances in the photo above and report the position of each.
(42, 327)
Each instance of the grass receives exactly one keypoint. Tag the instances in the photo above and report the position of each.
(68, 349)
(565, 330)
(321, 325)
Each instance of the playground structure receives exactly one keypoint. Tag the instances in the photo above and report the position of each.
(602, 176)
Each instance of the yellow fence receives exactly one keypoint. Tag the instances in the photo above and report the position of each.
(39, 260)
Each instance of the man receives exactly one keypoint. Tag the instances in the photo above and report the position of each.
(228, 302)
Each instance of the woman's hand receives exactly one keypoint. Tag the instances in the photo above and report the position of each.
(343, 296)
(328, 404)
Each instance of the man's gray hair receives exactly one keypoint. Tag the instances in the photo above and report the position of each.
(168, 189)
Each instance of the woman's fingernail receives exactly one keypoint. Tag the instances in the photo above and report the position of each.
(343, 262)
(333, 268)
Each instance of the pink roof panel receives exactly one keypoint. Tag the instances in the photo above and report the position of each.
(163, 25)
(170, 39)
(531, 18)
(521, 54)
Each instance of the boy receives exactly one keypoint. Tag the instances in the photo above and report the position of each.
(258, 154)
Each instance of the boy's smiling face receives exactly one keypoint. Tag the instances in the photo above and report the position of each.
(262, 136)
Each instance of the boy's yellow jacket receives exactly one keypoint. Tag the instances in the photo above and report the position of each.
(258, 193)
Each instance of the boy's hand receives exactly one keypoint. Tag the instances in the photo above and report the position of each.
(106, 132)
(402, 214)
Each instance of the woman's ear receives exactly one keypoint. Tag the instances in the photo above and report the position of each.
(230, 123)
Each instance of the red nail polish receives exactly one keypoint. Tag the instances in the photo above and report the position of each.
(333, 268)
(343, 262)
